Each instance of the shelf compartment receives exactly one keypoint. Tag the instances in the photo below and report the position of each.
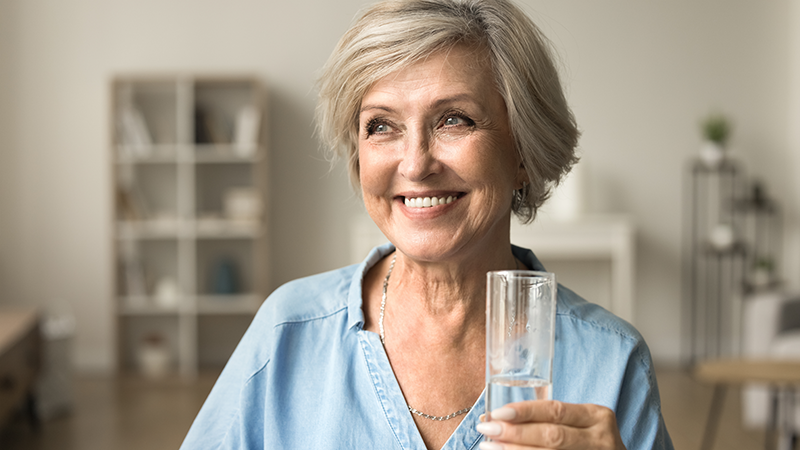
(220, 110)
(224, 266)
(215, 185)
(139, 331)
(147, 191)
(147, 110)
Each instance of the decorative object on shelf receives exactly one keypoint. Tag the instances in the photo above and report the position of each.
(166, 293)
(155, 358)
(243, 204)
(763, 273)
(762, 232)
(225, 277)
(567, 204)
(716, 130)
(722, 237)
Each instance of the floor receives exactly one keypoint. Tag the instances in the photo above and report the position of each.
(132, 413)
(126, 413)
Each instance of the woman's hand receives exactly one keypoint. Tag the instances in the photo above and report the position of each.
(550, 424)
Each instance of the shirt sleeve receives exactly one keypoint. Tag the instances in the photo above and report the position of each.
(638, 411)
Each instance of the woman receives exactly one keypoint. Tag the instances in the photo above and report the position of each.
(452, 117)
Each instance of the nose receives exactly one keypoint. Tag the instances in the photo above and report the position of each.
(419, 160)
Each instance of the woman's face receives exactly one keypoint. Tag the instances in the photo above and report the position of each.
(437, 160)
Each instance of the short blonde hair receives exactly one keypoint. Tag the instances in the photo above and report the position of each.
(394, 34)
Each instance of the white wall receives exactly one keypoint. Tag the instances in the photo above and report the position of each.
(639, 76)
(793, 138)
(6, 155)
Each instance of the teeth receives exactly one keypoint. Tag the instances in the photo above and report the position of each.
(427, 202)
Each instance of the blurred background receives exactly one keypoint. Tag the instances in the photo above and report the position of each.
(640, 77)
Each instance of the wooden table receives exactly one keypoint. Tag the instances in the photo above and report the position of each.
(781, 376)
(19, 359)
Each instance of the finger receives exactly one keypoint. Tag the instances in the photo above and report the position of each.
(501, 446)
(534, 435)
(552, 411)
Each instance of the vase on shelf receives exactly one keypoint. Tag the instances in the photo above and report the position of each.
(716, 131)
(712, 154)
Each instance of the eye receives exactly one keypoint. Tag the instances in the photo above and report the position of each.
(376, 126)
(451, 121)
(456, 119)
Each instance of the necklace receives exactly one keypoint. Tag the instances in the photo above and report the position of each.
(380, 327)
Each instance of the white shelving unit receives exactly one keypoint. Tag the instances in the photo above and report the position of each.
(189, 217)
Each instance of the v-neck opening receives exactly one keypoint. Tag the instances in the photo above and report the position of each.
(395, 408)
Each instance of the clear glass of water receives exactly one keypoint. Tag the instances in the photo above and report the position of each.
(520, 336)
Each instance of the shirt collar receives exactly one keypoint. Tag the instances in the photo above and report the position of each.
(355, 313)
(355, 300)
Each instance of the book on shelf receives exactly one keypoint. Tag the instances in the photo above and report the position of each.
(133, 131)
(131, 204)
(133, 271)
(245, 135)
(209, 128)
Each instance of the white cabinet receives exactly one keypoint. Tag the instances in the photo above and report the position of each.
(580, 250)
(190, 205)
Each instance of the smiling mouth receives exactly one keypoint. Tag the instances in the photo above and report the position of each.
(428, 202)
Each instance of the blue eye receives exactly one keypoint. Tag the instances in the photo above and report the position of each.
(457, 120)
(376, 126)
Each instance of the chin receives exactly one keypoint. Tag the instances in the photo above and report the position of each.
(429, 247)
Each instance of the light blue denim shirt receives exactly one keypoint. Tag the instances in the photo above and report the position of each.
(306, 375)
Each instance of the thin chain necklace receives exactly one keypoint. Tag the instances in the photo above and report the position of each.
(380, 326)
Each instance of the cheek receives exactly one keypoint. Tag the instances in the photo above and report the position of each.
(490, 161)
(370, 173)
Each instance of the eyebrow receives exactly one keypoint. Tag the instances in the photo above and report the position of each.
(436, 104)
(378, 107)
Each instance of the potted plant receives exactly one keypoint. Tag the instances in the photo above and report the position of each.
(716, 129)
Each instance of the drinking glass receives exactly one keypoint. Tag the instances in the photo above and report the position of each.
(520, 336)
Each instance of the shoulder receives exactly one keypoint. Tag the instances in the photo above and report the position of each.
(590, 338)
(299, 301)
(309, 298)
(592, 317)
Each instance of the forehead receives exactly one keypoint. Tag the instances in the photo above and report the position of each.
(455, 68)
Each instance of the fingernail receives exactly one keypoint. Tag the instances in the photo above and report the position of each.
(482, 418)
(504, 413)
(489, 428)
(490, 446)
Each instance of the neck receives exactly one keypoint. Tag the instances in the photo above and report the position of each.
(445, 299)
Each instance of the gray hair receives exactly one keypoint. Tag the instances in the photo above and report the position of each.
(394, 34)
